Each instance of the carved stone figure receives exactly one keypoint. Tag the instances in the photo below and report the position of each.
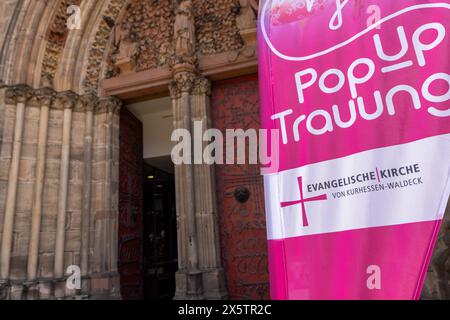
(247, 15)
(126, 49)
(184, 31)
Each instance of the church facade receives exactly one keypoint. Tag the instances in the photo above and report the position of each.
(83, 190)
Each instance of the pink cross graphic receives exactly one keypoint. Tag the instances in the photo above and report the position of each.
(302, 202)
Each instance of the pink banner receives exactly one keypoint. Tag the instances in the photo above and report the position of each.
(359, 91)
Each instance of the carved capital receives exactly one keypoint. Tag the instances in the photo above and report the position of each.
(185, 81)
(109, 105)
(43, 97)
(65, 100)
(88, 102)
(202, 86)
(18, 94)
(175, 92)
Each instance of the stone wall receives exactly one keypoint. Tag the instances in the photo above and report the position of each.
(58, 193)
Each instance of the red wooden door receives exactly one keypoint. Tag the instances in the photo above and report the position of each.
(131, 207)
(235, 105)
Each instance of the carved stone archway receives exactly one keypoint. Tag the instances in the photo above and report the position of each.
(181, 67)
(59, 129)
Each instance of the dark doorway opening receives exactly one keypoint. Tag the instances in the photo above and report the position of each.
(160, 234)
(147, 257)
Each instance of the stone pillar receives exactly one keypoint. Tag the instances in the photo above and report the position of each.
(189, 277)
(114, 187)
(111, 196)
(105, 281)
(205, 199)
(90, 103)
(17, 95)
(44, 98)
(181, 219)
(67, 101)
(200, 274)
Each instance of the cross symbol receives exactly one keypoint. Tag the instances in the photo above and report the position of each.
(302, 202)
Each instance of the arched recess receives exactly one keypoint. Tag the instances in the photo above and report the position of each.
(69, 145)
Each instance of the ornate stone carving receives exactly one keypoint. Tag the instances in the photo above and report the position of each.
(184, 30)
(149, 25)
(248, 51)
(162, 32)
(56, 37)
(185, 81)
(184, 64)
(97, 51)
(89, 102)
(16, 94)
(189, 82)
(65, 100)
(246, 22)
(215, 25)
(126, 49)
(201, 86)
(175, 92)
(109, 104)
(43, 97)
(247, 14)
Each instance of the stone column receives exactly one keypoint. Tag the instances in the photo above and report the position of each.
(105, 281)
(16, 95)
(112, 187)
(43, 99)
(67, 101)
(205, 199)
(90, 102)
(199, 275)
(189, 277)
(181, 225)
